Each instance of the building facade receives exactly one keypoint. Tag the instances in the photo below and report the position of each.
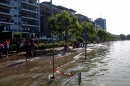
(5, 17)
(23, 16)
(101, 22)
(45, 13)
(82, 18)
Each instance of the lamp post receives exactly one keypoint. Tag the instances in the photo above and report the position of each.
(53, 77)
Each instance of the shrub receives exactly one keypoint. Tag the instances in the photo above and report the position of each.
(80, 39)
(12, 47)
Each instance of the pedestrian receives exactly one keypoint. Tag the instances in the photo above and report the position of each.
(18, 46)
(1, 50)
(21, 47)
(65, 48)
(6, 48)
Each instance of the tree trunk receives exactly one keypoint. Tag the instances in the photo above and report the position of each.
(66, 36)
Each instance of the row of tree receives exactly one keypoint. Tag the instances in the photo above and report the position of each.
(68, 25)
(125, 37)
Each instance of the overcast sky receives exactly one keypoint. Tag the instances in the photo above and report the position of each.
(116, 12)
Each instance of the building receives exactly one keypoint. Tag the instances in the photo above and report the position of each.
(101, 22)
(5, 17)
(82, 18)
(45, 11)
(24, 17)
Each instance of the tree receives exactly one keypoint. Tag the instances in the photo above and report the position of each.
(123, 37)
(90, 30)
(52, 23)
(128, 36)
(76, 29)
(102, 35)
(60, 23)
(65, 24)
(17, 35)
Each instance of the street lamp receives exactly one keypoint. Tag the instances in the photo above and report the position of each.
(53, 77)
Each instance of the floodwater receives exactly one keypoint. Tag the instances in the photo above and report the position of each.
(108, 65)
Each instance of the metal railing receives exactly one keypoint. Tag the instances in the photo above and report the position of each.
(73, 81)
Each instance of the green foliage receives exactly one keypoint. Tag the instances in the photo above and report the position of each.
(128, 36)
(80, 39)
(65, 24)
(72, 40)
(17, 35)
(90, 30)
(106, 36)
(123, 37)
(102, 35)
(76, 28)
(50, 45)
(12, 47)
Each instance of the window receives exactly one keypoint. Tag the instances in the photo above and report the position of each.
(15, 15)
(12, 21)
(12, 12)
(15, 7)
(15, 23)
(14, 0)
(30, 1)
(12, 4)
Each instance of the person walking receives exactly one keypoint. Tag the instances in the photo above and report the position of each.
(18, 46)
(1, 49)
(65, 48)
(6, 48)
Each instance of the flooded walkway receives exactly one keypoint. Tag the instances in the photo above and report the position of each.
(34, 72)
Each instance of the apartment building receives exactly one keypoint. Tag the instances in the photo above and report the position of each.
(25, 17)
(101, 22)
(82, 18)
(5, 17)
(45, 12)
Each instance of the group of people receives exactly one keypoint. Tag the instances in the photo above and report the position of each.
(30, 48)
(4, 48)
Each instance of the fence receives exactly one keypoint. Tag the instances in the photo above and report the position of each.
(73, 81)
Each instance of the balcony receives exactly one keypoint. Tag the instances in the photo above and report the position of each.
(6, 4)
(6, 22)
(24, 17)
(46, 11)
(5, 13)
(28, 16)
(28, 24)
(27, 10)
(30, 30)
(29, 3)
